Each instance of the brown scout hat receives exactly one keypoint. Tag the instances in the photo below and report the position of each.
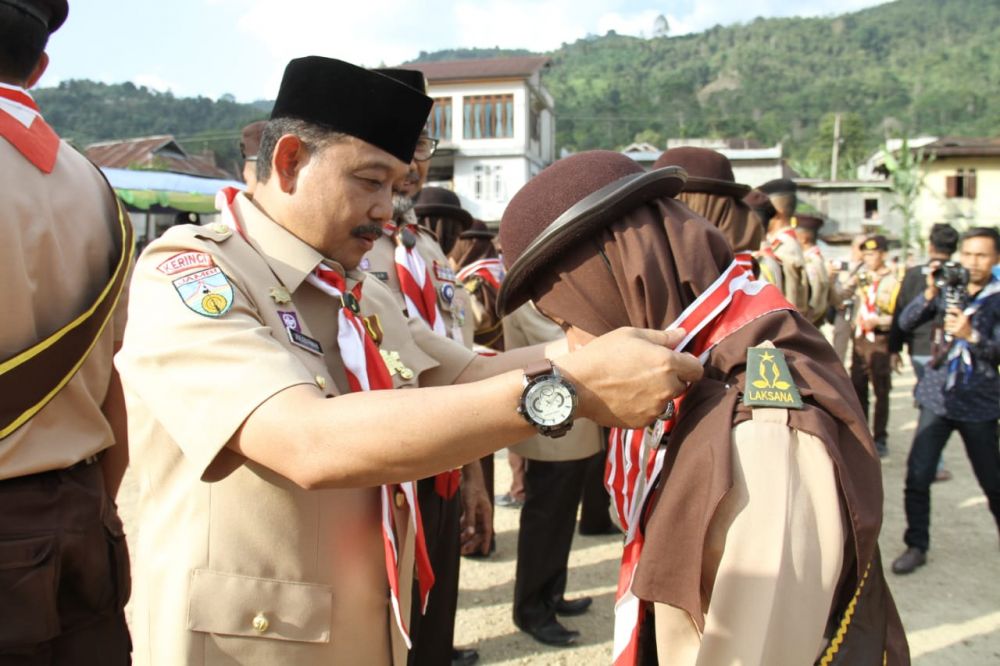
(250, 139)
(876, 242)
(709, 171)
(439, 202)
(808, 222)
(52, 13)
(566, 203)
(478, 230)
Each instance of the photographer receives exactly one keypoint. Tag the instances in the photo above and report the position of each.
(960, 388)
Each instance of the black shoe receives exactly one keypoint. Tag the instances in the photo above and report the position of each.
(574, 607)
(909, 561)
(464, 656)
(553, 633)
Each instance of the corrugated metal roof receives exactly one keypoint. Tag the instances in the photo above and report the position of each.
(159, 152)
(484, 68)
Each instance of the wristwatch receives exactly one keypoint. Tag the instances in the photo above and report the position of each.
(548, 400)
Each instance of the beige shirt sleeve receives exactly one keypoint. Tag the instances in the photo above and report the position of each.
(452, 356)
(198, 376)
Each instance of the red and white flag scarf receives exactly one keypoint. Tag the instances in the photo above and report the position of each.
(869, 310)
(415, 281)
(421, 298)
(635, 457)
(366, 371)
(490, 270)
(21, 124)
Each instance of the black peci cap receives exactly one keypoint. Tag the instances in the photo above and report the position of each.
(52, 13)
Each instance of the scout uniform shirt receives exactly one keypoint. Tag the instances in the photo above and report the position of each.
(54, 262)
(787, 249)
(875, 295)
(452, 299)
(819, 284)
(235, 563)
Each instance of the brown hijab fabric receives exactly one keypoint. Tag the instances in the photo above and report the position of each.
(730, 216)
(489, 330)
(643, 270)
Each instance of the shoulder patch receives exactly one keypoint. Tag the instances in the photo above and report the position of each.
(186, 261)
(207, 292)
(768, 381)
(214, 232)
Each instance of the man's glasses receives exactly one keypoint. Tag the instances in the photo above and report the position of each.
(426, 148)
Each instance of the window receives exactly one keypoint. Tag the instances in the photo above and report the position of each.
(487, 183)
(488, 116)
(439, 122)
(871, 209)
(961, 185)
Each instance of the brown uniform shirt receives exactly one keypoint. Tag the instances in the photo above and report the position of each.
(527, 326)
(54, 261)
(250, 568)
(819, 285)
(795, 284)
(452, 298)
(886, 292)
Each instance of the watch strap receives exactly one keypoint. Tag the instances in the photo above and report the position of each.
(538, 368)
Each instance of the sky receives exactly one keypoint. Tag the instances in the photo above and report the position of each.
(240, 47)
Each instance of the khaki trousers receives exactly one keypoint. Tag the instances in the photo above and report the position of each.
(773, 556)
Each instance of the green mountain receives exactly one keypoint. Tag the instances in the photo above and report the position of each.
(907, 67)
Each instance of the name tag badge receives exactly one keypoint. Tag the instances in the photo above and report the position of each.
(444, 273)
(302, 340)
(381, 275)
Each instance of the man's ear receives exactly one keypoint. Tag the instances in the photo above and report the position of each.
(290, 155)
(36, 73)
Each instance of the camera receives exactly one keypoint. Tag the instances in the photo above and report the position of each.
(950, 275)
(842, 265)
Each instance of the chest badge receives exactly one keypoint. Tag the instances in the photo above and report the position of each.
(207, 292)
(395, 364)
(290, 320)
(280, 295)
(768, 381)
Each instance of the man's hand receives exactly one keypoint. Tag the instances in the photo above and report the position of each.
(896, 362)
(931, 290)
(477, 512)
(627, 377)
(957, 324)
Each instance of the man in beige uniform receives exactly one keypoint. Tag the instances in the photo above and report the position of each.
(807, 230)
(553, 483)
(64, 570)
(783, 242)
(259, 506)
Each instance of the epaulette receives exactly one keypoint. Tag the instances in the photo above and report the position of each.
(217, 232)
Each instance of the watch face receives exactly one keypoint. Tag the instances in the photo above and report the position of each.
(549, 403)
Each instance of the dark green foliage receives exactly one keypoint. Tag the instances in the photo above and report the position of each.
(908, 67)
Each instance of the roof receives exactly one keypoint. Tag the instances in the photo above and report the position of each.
(160, 152)
(964, 147)
(483, 68)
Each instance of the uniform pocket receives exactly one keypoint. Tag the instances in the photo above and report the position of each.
(28, 591)
(118, 559)
(231, 604)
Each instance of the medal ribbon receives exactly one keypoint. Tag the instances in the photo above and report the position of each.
(22, 125)
(635, 457)
(366, 371)
(490, 270)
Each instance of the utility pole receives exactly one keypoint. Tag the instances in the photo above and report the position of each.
(836, 147)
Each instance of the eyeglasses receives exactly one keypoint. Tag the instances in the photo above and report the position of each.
(426, 147)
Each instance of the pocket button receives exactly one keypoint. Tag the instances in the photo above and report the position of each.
(260, 623)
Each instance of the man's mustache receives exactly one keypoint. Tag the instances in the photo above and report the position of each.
(367, 230)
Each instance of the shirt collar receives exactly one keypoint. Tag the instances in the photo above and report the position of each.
(291, 258)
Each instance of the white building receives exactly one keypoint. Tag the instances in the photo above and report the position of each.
(753, 164)
(496, 124)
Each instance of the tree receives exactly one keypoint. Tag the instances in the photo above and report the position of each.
(907, 178)
(661, 27)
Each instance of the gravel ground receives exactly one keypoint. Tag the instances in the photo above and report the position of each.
(950, 608)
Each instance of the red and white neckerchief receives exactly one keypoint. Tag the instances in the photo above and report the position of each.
(783, 235)
(868, 311)
(490, 270)
(415, 280)
(366, 371)
(744, 260)
(635, 457)
(22, 125)
(420, 297)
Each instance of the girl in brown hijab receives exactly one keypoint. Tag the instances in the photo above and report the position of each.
(477, 267)
(761, 535)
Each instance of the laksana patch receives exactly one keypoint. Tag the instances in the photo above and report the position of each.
(768, 381)
(207, 292)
